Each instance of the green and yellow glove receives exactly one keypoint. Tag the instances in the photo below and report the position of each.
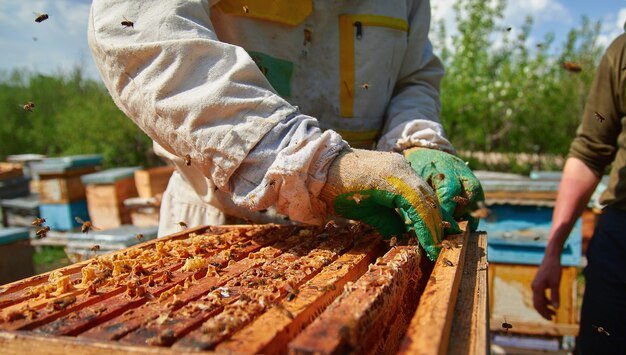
(458, 190)
(381, 190)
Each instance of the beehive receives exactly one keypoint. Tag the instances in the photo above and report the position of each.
(245, 289)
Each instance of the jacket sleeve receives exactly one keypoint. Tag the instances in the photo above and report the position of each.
(412, 117)
(197, 96)
(596, 141)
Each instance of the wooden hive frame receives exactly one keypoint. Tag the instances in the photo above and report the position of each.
(256, 289)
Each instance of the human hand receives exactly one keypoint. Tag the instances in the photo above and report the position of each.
(458, 190)
(381, 190)
(548, 277)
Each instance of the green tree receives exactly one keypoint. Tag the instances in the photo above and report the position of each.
(72, 115)
(516, 96)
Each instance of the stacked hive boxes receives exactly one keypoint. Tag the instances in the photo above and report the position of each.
(106, 192)
(150, 183)
(61, 192)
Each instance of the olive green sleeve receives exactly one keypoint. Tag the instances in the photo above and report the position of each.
(596, 138)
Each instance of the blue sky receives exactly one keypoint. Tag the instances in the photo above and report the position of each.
(60, 43)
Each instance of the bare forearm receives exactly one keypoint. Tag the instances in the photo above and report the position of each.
(577, 186)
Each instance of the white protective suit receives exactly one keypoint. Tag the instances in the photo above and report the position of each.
(235, 85)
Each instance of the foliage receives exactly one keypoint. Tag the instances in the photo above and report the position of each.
(72, 115)
(514, 96)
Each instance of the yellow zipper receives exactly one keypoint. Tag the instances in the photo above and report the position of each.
(347, 23)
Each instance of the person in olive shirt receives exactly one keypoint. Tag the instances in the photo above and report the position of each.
(600, 141)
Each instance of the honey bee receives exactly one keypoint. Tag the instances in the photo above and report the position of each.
(29, 106)
(187, 159)
(447, 244)
(42, 232)
(139, 236)
(246, 9)
(95, 248)
(572, 67)
(40, 17)
(38, 222)
(393, 242)
(308, 36)
(599, 117)
(357, 197)
(128, 23)
(86, 226)
(481, 213)
(365, 86)
(62, 303)
(447, 262)
(291, 291)
(506, 326)
(183, 225)
(601, 330)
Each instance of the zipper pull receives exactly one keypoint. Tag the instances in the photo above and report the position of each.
(359, 29)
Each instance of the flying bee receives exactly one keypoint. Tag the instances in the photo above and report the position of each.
(29, 106)
(38, 222)
(599, 117)
(365, 86)
(572, 67)
(139, 236)
(183, 225)
(308, 36)
(128, 23)
(187, 159)
(246, 9)
(42, 232)
(86, 226)
(506, 326)
(600, 330)
(40, 17)
(393, 242)
(95, 248)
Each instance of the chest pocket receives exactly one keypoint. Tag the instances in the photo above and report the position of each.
(371, 48)
(288, 12)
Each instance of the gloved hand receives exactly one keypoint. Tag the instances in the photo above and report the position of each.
(381, 190)
(458, 190)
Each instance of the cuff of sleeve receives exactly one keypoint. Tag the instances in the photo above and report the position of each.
(416, 133)
(288, 169)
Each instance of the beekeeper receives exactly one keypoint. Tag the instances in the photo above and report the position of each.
(262, 104)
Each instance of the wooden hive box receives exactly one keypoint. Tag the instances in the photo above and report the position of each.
(59, 178)
(152, 181)
(16, 254)
(106, 192)
(256, 289)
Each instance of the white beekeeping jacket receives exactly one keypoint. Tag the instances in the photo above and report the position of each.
(254, 91)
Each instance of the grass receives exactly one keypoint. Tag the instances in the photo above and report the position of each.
(48, 258)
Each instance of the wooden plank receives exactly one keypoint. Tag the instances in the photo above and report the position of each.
(469, 329)
(429, 330)
(271, 332)
(19, 343)
(358, 318)
(528, 328)
(520, 195)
